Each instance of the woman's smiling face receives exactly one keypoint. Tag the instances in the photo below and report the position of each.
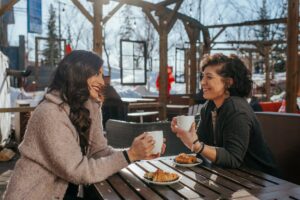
(213, 84)
(96, 86)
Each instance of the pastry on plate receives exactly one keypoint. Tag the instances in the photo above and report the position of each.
(161, 176)
(185, 159)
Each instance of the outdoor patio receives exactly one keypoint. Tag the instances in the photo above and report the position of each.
(152, 52)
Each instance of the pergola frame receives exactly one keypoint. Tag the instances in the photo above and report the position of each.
(168, 17)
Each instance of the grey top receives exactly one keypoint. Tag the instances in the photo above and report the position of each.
(238, 136)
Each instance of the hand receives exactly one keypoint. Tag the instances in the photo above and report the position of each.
(163, 148)
(187, 137)
(141, 148)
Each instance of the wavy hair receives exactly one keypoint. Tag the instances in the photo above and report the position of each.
(70, 80)
(231, 67)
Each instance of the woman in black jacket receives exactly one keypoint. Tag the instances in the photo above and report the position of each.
(229, 133)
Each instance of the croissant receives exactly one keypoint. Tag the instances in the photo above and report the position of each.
(161, 176)
(185, 159)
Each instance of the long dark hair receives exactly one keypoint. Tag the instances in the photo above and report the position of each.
(232, 67)
(70, 80)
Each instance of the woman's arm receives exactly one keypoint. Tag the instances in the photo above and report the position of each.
(98, 143)
(52, 144)
(236, 134)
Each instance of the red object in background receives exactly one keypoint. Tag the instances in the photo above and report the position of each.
(68, 49)
(270, 106)
(170, 80)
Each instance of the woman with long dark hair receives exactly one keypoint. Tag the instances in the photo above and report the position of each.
(64, 146)
(229, 133)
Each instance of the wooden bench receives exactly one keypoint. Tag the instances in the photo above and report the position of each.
(282, 134)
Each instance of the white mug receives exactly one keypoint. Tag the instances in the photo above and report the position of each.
(185, 122)
(158, 139)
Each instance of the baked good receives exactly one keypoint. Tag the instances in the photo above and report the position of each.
(161, 176)
(185, 159)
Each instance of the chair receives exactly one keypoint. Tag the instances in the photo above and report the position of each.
(282, 134)
(120, 134)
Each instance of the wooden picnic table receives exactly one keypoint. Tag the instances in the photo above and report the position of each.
(204, 181)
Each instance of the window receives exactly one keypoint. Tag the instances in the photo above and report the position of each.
(133, 62)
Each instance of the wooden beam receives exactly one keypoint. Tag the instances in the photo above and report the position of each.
(83, 10)
(7, 6)
(253, 42)
(234, 49)
(217, 35)
(171, 16)
(112, 12)
(166, 2)
(251, 23)
(16, 109)
(292, 56)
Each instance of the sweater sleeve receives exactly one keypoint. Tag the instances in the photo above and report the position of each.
(98, 143)
(236, 134)
(51, 142)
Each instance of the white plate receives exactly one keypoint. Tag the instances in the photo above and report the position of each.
(163, 183)
(199, 161)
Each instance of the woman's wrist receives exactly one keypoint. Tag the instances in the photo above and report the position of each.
(131, 155)
(198, 147)
(195, 145)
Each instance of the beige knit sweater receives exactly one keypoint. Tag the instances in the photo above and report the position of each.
(51, 156)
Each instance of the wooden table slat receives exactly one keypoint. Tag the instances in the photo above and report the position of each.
(264, 175)
(122, 187)
(232, 177)
(252, 178)
(106, 191)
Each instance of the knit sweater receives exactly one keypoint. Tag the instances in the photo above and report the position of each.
(51, 156)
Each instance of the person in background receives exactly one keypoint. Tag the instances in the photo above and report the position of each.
(64, 146)
(112, 107)
(229, 133)
(254, 103)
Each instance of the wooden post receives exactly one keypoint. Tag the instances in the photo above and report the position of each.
(266, 50)
(97, 27)
(186, 66)
(21, 52)
(193, 34)
(36, 73)
(250, 62)
(292, 56)
(163, 70)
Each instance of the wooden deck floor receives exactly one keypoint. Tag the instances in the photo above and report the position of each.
(5, 172)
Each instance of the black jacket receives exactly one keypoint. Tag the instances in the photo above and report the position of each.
(239, 138)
